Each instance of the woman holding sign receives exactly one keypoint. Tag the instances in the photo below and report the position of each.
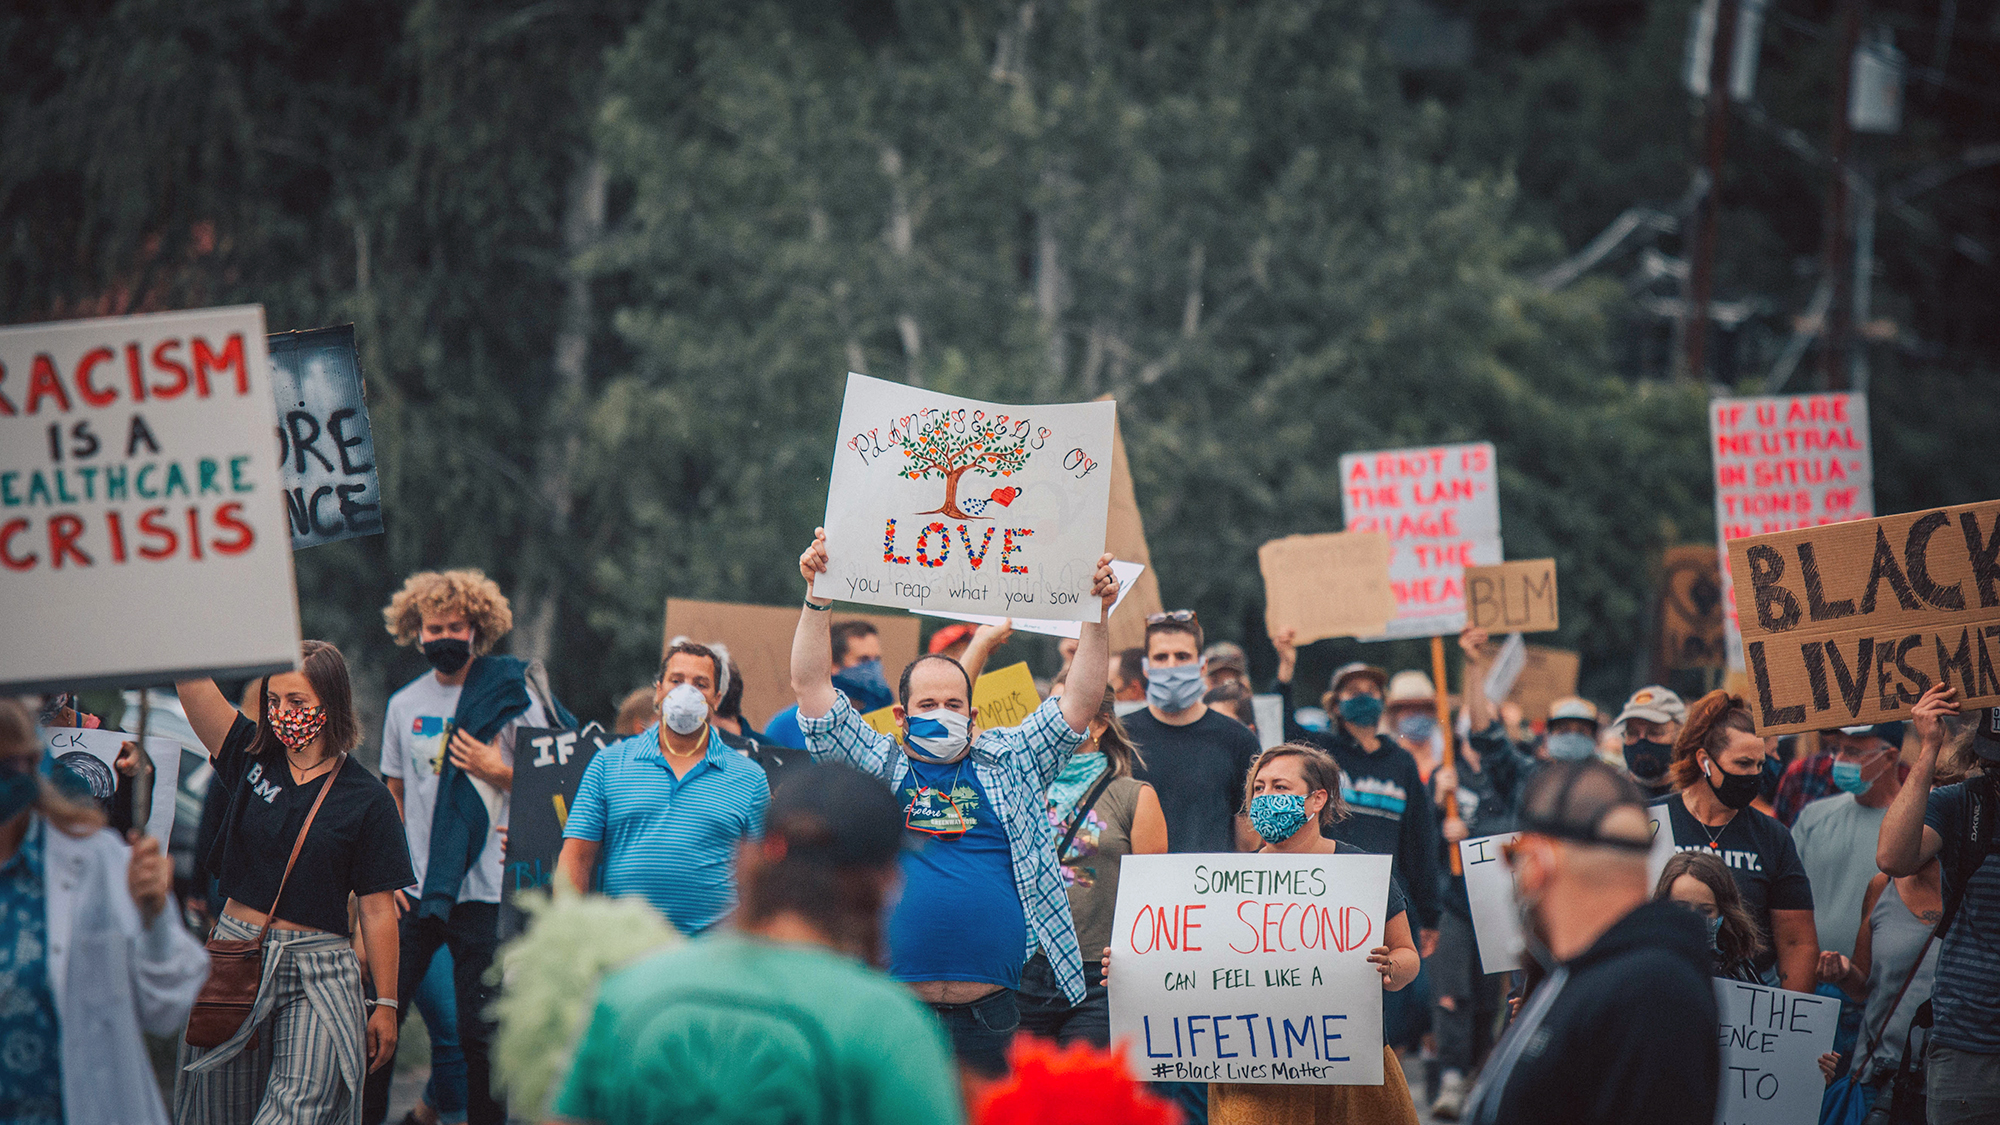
(1293, 794)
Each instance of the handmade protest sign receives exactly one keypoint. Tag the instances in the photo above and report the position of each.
(1330, 585)
(1784, 462)
(92, 754)
(948, 503)
(325, 448)
(1508, 664)
(1514, 597)
(1850, 623)
(760, 642)
(1547, 674)
(1489, 888)
(1691, 634)
(1440, 507)
(142, 530)
(1128, 576)
(1269, 711)
(1250, 968)
(548, 766)
(1771, 1043)
(1002, 697)
(1125, 538)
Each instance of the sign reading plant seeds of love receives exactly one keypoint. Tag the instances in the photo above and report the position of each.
(944, 503)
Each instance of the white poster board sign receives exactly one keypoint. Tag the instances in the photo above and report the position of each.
(944, 503)
(1489, 887)
(1771, 1043)
(142, 528)
(93, 756)
(1250, 968)
(1440, 507)
(1269, 711)
(1128, 576)
(1784, 462)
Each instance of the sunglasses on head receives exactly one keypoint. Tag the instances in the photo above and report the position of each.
(1182, 616)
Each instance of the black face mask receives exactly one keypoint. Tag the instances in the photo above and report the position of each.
(1735, 790)
(1648, 760)
(447, 654)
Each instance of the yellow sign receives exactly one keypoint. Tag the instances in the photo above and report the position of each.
(1003, 698)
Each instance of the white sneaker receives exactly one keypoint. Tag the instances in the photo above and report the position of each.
(1451, 1096)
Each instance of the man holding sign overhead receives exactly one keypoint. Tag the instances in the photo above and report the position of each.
(983, 892)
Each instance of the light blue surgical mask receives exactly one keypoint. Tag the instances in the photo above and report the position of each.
(1175, 688)
(1571, 746)
(1847, 777)
(1417, 726)
(1277, 817)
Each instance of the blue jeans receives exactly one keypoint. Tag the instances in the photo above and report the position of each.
(1046, 1012)
(981, 1031)
(437, 1001)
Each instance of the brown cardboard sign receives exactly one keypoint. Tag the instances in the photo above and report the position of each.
(760, 642)
(1513, 597)
(1548, 675)
(1851, 622)
(1691, 608)
(1330, 585)
(1125, 538)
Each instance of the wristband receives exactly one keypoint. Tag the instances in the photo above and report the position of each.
(827, 608)
(380, 1002)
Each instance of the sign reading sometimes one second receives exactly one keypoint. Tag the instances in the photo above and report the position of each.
(1440, 507)
(944, 503)
(142, 527)
(324, 445)
(1250, 968)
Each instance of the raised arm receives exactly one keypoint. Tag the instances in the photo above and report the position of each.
(812, 644)
(209, 712)
(985, 639)
(1478, 710)
(1905, 842)
(1084, 692)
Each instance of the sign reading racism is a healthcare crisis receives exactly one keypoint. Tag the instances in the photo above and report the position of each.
(1250, 968)
(142, 529)
(1851, 623)
(1440, 507)
(944, 503)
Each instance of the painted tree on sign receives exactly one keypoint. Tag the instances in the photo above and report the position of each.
(949, 445)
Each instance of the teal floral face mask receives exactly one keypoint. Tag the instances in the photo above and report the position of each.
(1277, 817)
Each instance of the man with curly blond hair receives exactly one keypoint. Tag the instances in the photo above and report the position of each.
(448, 758)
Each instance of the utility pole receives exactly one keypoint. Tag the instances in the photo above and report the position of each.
(1701, 280)
(1839, 314)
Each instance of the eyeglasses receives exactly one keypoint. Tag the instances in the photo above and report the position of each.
(1182, 616)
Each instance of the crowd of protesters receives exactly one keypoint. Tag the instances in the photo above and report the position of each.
(872, 921)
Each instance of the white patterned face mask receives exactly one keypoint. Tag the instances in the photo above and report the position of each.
(939, 735)
(684, 709)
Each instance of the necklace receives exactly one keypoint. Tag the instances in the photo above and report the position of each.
(308, 771)
(699, 748)
(1715, 837)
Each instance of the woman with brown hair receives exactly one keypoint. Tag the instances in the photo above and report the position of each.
(1113, 815)
(1701, 883)
(301, 1053)
(1717, 766)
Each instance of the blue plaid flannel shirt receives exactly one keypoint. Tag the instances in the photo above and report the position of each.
(1015, 767)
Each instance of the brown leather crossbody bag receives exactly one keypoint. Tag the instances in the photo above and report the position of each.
(236, 965)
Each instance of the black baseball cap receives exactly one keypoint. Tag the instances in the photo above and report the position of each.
(1570, 800)
(835, 814)
(1986, 734)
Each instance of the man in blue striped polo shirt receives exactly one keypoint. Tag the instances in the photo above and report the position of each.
(665, 809)
(983, 892)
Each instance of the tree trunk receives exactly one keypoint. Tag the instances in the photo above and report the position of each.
(950, 505)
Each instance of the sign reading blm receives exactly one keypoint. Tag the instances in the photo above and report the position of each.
(324, 444)
(945, 503)
(142, 530)
(1250, 968)
(1850, 623)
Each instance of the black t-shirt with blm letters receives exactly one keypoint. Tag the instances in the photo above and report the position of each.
(1758, 851)
(1197, 770)
(357, 843)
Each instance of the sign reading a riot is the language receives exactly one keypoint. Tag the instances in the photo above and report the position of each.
(945, 503)
(1440, 507)
(324, 445)
(1250, 968)
(142, 530)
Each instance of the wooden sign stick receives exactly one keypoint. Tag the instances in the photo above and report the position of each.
(1444, 729)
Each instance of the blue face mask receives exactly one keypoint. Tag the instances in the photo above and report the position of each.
(1175, 688)
(1572, 746)
(1361, 710)
(1848, 779)
(1277, 817)
(1417, 727)
(865, 686)
(1714, 933)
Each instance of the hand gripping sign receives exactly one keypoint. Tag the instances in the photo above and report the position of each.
(945, 503)
(1250, 968)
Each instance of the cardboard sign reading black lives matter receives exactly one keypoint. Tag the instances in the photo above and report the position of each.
(325, 450)
(1850, 623)
(548, 766)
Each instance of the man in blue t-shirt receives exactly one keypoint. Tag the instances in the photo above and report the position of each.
(982, 892)
(1962, 1068)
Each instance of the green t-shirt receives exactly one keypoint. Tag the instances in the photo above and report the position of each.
(733, 1029)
